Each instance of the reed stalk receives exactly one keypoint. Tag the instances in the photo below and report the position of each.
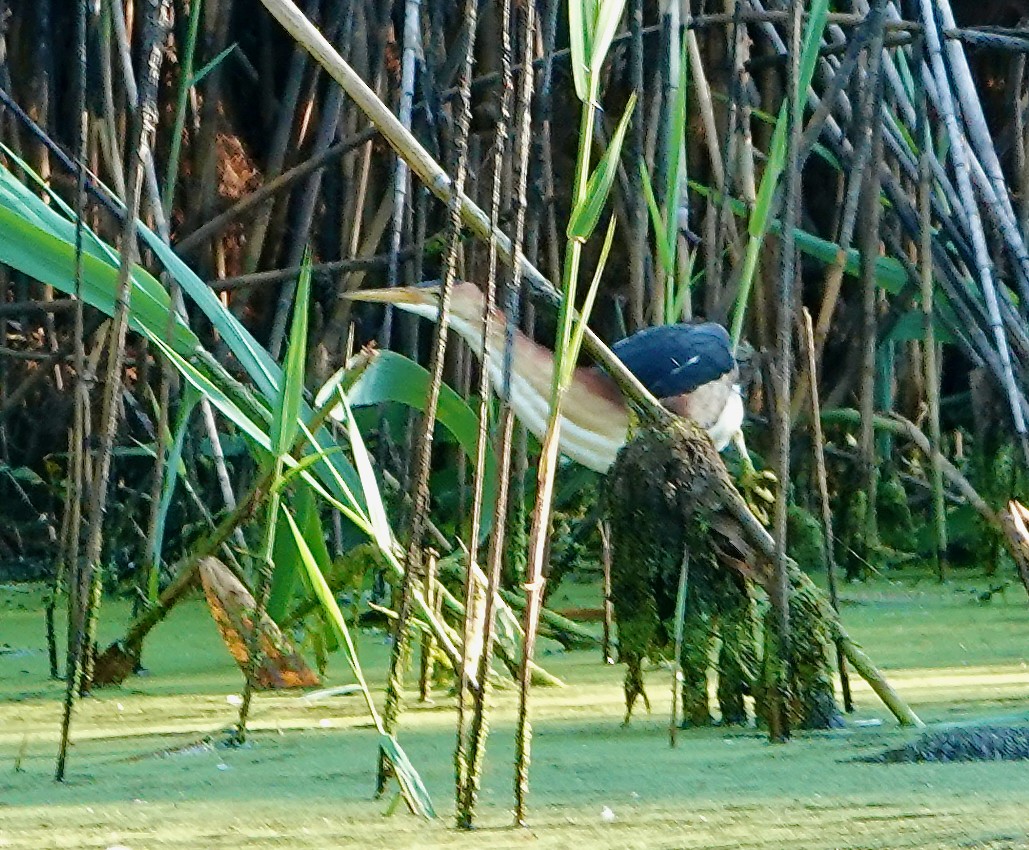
(422, 464)
(479, 624)
(929, 348)
(591, 31)
(79, 672)
(778, 721)
(869, 212)
(818, 444)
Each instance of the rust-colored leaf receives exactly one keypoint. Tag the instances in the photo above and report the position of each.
(234, 609)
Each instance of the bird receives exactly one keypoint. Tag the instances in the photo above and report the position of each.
(689, 368)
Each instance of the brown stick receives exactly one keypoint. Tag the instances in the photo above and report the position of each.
(818, 441)
(609, 608)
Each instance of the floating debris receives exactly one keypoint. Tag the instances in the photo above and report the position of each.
(983, 743)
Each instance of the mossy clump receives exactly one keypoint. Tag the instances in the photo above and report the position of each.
(659, 502)
(810, 698)
(805, 538)
(851, 536)
(737, 657)
(664, 507)
(811, 650)
(895, 523)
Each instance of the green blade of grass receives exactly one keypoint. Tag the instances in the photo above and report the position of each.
(608, 16)
(818, 16)
(411, 784)
(579, 45)
(288, 566)
(369, 483)
(190, 397)
(591, 296)
(586, 215)
(673, 153)
(656, 219)
(214, 63)
(291, 388)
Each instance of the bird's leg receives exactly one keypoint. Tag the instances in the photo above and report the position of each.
(754, 485)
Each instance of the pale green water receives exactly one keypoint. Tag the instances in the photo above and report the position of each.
(306, 781)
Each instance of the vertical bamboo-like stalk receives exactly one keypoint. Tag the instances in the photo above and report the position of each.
(40, 87)
(72, 521)
(1021, 141)
(478, 727)
(265, 567)
(278, 147)
(151, 568)
(929, 364)
(543, 163)
(591, 30)
(168, 379)
(156, 21)
(110, 139)
(422, 467)
(477, 597)
(187, 51)
(151, 200)
(638, 237)
(779, 724)
(401, 173)
(434, 598)
(818, 443)
(67, 571)
(670, 77)
(848, 219)
(680, 626)
(59, 581)
(723, 162)
(869, 212)
(609, 608)
(671, 36)
(41, 109)
(311, 191)
(156, 24)
(538, 533)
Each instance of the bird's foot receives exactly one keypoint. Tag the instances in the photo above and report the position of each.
(757, 488)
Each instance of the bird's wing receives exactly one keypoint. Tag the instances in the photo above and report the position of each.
(671, 360)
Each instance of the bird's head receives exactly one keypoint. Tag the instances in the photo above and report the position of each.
(466, 301)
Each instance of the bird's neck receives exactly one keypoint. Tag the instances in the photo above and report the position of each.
(594, 417)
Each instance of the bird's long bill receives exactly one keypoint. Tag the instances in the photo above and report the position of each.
(417, 296)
